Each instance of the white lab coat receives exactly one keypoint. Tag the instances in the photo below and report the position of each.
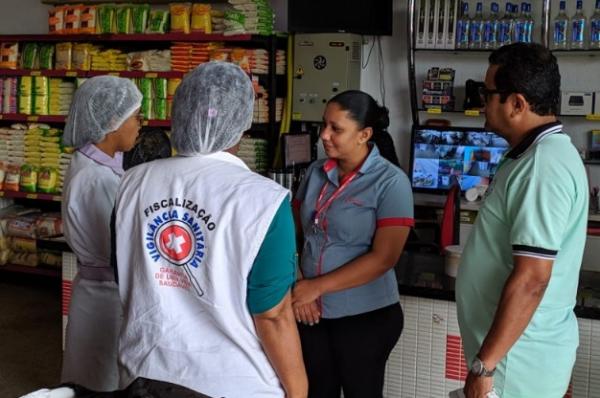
(95, 312)
(188, 231)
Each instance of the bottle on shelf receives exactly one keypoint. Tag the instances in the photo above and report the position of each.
(560, 30)
(490, 28)
(578, 22)
(520, 24)
(505, 27)
(462, 27)
(530, 24)
(595, 27)
(476, 28)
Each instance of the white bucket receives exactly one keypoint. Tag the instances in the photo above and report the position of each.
(452, 259)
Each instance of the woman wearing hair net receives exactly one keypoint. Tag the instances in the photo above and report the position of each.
(206, 255)
(103, 122)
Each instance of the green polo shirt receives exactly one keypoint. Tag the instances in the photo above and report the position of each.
(537, 206)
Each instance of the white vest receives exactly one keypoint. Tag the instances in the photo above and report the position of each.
(188, 230)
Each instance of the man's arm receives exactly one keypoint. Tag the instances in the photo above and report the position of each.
(277, 331)
(521, 296)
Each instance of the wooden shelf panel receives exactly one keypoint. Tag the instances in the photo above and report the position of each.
(22, 269)
(151, 37)
(89, 73)
(30, 195)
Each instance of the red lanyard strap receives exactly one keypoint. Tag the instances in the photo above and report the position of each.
(322, 208)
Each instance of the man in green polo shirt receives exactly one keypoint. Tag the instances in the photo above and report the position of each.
(517, 281)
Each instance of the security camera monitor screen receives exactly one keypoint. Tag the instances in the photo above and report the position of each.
(438, 153)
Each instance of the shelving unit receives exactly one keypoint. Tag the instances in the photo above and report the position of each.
(54, 273)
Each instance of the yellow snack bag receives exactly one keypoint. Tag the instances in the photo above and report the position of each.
(180, 17)
(201, 19)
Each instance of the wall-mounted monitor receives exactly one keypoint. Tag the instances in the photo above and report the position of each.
(348, 16)
(438, 153)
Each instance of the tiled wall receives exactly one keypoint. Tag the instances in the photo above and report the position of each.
(428, 361)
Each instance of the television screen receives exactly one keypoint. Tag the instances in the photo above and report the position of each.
(350, 16)
(471, 155)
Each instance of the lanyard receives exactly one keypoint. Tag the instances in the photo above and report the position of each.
(322, 208)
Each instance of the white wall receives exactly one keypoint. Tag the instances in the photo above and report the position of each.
(23, 16)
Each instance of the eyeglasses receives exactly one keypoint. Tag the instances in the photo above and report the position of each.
(485, 93)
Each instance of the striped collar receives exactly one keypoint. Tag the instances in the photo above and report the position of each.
(533, 137)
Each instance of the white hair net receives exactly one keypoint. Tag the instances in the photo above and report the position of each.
(212, 107)
(100, 105)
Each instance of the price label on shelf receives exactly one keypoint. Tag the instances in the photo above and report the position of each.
(593, 117)
(151, 75)
(117, 74)
(472, 112)
(1, 117)
(435, 111)
(33, 118)
(36, 73)
(71, 73)
(145, 123)
(1, 194)
(56, 198)
(31, 196)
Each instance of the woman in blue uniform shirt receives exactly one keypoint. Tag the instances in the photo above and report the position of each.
(355, 210)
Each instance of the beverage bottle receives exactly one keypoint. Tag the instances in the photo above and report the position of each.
(520, 24)
(462, 27)
(595, 27)
(578, 22)
(505, 26)
(490, 28)
(476, 28)
(559, 32)
(530, 24)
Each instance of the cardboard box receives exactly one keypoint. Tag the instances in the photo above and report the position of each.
(576, 103)
(431, 24)
(440, 35)
(421, 23)
(450, 23)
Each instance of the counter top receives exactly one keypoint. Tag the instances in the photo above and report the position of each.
(422, 275)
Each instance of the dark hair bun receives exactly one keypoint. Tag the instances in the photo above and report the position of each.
(382, 118)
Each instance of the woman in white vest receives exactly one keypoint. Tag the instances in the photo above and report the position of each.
(103, 122)
(206, 255)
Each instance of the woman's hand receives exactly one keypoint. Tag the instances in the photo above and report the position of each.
(308, 314)
(306, 291)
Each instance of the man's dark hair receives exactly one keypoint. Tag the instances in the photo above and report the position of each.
(531, 70)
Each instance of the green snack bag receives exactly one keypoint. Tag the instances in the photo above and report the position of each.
(158, 21)
(105, 18)
(145, 86)
(160, 87)
(123, 19)
(146, 109)
(139, 16)
(160, 108)
(46, 57)
(29, 56)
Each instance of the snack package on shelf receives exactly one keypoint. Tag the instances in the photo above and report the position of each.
(105, 19)
(29, 56)
(234, 21)
(201, 18)
(124, 19)
(88, 20)
(180, 17)
(158, 21)
(254, 152)
(46, 56)
(56, 20)
(49, 225)
(139, 17)
(64, 56)
(9, 55)
(50, 258)
(72, 19)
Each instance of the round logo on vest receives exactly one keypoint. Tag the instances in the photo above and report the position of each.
(176, 241)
